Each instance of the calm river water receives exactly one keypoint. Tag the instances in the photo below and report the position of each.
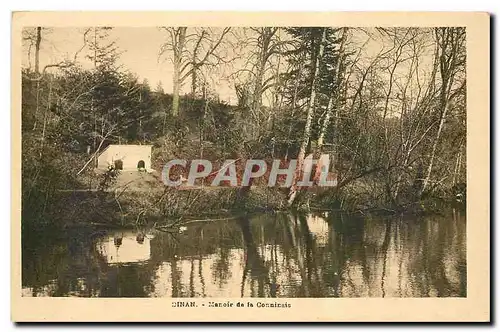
(273, 255)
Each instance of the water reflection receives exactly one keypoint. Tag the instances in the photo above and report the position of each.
(125, 247)
(279, 255)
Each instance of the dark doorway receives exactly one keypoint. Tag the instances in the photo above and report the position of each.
(118, 164)
(141, 164)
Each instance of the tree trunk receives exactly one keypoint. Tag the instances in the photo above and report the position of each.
(307, 130)
(194, 72)
(257, 98)
(326, 121)
(334, 97)
(434, 148)
(37, 104)
(37, 49)
(193, 83)
(265, 38)
(175, 96)
(37, 72)
(95, 47)
(294, 105)
(47, 109)
(178, 50)
(448, 43)
(400, 175)
(456, 171)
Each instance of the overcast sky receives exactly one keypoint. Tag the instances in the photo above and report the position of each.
(140, 47)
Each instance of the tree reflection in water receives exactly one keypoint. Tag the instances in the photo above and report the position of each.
(273, 255)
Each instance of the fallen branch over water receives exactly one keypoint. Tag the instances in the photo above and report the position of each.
(209, 219)
(179, 222)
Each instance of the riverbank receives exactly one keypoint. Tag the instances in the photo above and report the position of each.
(172, 209)
(131, 198)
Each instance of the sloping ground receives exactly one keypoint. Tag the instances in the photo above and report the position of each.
(138, 181)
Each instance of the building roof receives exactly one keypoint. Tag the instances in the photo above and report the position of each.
(124, 145)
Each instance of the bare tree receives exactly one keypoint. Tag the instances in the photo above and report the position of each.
(262, 48)
(450, 55)
(35, 38)
(307, 129)
(37, 49)
(265, 49)
(188, 61)
(335, 94)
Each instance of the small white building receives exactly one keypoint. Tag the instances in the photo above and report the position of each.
(126, 157)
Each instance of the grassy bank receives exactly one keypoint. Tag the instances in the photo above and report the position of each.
(131, 199)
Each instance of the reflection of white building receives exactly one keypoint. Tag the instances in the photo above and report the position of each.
(319, 229)
(130, 249)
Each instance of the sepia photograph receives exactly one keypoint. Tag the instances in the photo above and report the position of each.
(245, 162)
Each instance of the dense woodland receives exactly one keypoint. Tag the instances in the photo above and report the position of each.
(392, 117)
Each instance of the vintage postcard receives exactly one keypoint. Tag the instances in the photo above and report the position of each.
(234, 167)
